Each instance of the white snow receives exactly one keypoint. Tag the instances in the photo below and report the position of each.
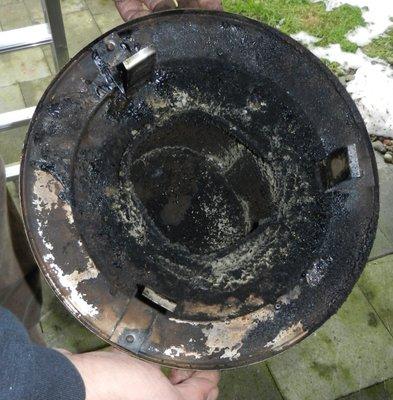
(305, 38)
(371, 88)
(333, 52)
(377, 14)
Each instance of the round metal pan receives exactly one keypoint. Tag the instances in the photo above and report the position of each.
(199, 189)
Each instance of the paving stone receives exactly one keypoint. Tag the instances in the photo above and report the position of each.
(81, 29)
(376, 284)
(49, 58)
(249, 383)
(383, 244)
(61, 330)
(22, 65)
(351, 351)
(34, 8)
(69, 6)
(33, 90)
(11, 98)
(5, 2)
(380, 391)
(14, 15)
(101, 6)
(108, 20)
(381, 247)
(11, 144)
(11, 141)
(386, 197)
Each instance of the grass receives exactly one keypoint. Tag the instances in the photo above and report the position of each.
(292, 16)
(381, 47)
(334, 66)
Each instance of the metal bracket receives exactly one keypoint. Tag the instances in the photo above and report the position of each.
(133, 339)
(339, 166)
(138, 67)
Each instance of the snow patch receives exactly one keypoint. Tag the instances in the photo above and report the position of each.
(372, 90)
(377, 14)
(305, 38)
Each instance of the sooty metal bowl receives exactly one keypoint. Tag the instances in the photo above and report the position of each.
(199, 189)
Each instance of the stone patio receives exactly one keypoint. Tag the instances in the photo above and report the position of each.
(350, 356)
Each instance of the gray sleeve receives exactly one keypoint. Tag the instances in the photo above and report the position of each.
(31, 372)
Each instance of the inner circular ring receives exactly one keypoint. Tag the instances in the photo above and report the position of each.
(205, 196)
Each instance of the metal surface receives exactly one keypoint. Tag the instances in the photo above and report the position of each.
(212, 215)
(13, 119)
(137, 68)
(21, 38)
(52, 13)
(139, 58)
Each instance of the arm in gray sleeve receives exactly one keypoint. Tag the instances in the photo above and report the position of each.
(31, 372)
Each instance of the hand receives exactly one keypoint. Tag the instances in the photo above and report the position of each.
(114, 375)
(130, 9)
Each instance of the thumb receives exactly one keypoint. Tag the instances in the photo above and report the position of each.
(131, 9)
(160, 5)
(63, 351)
(200, 386)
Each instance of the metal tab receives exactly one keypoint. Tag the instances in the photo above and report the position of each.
(138, 67)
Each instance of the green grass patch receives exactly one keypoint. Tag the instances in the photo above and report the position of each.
(334, 66)
(381, 47)
(292, 16)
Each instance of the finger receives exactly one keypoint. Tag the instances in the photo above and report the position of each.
(210, 4)
(213, 395)
(188, 3)
(159, 5)
(196, 388)
(179, 375)
(113, 349)
(213, 376)
(206, 4)
(131, 9)
(134, 360)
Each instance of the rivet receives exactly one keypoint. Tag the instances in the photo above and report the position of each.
(130, 338)
(110, 45)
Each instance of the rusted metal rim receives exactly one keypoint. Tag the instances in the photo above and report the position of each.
(302, 166)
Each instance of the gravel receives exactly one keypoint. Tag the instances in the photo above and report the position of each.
(379, 146)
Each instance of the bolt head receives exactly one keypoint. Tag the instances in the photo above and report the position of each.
(110, 45)
(130, 338)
